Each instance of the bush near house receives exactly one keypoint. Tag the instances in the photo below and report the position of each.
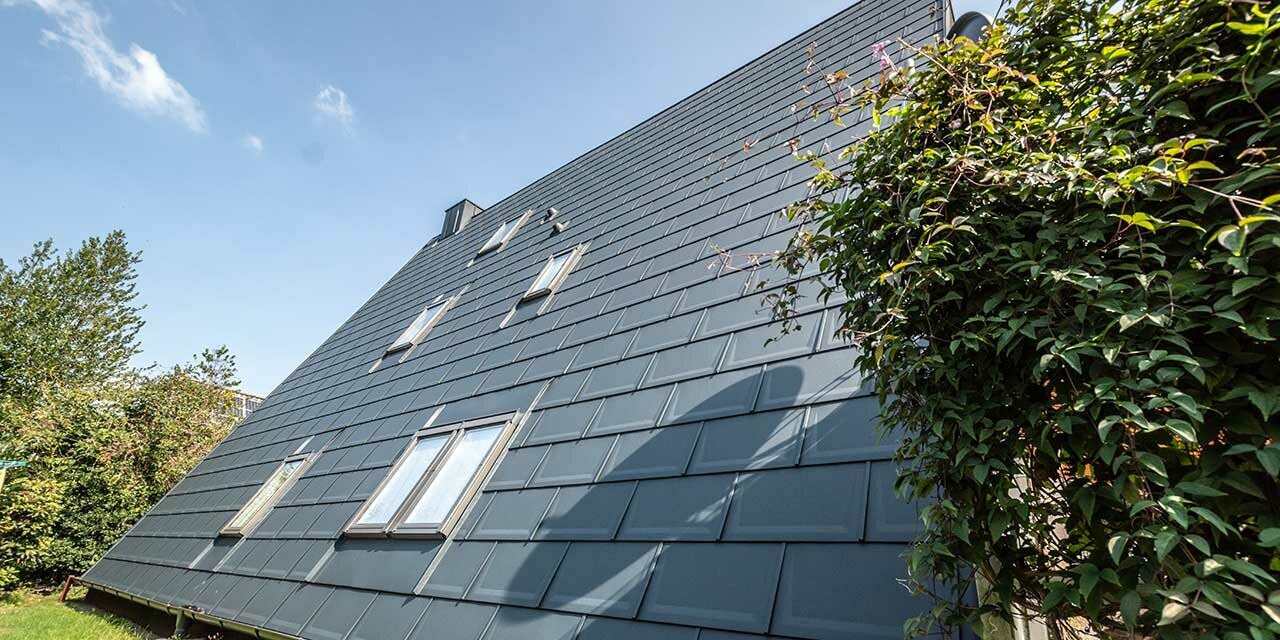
(103, 441)
(1062, 257)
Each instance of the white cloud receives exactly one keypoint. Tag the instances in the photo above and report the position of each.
(135, 78)
(331, 103)
(253, 143)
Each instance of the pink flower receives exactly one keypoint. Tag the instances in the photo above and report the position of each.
(877, 51)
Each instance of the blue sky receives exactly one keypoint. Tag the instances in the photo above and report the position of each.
(277, 161)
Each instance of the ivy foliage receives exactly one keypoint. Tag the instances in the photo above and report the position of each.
(1061, 251)
(103, 441)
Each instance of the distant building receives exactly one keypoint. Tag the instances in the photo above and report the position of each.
(245, 404)
(558, 422)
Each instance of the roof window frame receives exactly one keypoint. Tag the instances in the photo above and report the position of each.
(575, 256)
(444, 305)
(490, 246)
(397, 525)
(259, 512)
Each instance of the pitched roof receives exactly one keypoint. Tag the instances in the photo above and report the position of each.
(674, 476)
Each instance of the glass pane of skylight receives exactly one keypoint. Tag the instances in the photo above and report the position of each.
(389, 499)
(454, 476)
(423, 320)
(266, 495)
(551, 271)
(500, 235)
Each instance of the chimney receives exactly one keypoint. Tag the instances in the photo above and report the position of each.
(457, 216)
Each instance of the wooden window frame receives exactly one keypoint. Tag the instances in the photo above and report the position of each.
(511, 233)
(554, 285)
(445, 305)
(270, 503)
(396, 527)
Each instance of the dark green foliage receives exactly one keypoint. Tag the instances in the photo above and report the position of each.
(67, 320)
(1063, 262)
(103, 442)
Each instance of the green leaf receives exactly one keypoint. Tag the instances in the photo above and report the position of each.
(1165, 542)
(1247, 28)
(1088, 579)
(1215, 520)
(1269, 537)
(1267, 402)
(1199, 489)
(1116, 545)
(1172, 612)
(1272, 612)
(1231, 238)
(1269, 458)
(1187, 404)
(1129, 605)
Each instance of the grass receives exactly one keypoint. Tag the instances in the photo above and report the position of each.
(28, 616)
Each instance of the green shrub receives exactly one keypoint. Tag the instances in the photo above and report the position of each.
(103, 442)
(1062, 255)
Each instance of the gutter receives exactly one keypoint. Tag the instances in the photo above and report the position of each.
(192, 613)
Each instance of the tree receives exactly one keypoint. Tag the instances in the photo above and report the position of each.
(1061, 251)
(104, 442)
(67, 320)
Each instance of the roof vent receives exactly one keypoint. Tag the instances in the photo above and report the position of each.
(457, 216)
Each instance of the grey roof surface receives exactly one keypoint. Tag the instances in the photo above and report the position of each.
(676, 477)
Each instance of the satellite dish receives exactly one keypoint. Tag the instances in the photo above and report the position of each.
(971, 25)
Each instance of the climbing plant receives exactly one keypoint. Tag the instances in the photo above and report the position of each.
(1061, 251)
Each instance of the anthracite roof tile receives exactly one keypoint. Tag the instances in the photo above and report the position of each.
(889, 518)
(753, 441)
(266, 601)
(614, 629)
(586, 512)
(338, 615)
(826, 504)
(298, 608)
(237, 597)
(664, 411)
(818, 378)
(648, 311)
(564, 389)
(523, 624)
(385, 565)
(689, 508)
(629, 411)
(517, 468)
(768, 344)
(390, 617)
(459, 564)
(286, 556)
(818, 597)
(661, 335)
(843, 432)
(517, 573)
(602, 351)
(724, 586)
(602, 578)
(611, 379)
(513, 515)
(689, 361)
(723, 394)
(447, 620)
(651, 454)
(572, 462)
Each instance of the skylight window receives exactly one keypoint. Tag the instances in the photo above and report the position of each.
(554, 272)
(503, 234)
(277, 484)
(421, 325)
(434, 480)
